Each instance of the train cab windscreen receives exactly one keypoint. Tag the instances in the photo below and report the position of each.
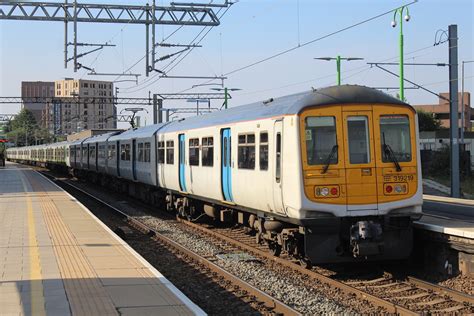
(395, 138)
(320, 133)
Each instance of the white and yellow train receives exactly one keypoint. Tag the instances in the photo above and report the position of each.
(330, 175)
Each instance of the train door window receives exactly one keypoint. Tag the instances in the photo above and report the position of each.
(127, 152)
(111, 152)
(194, 152)
(358, 137)
(278, 158)
(207, 151)
(170, 152)
(161, 152)
(122, 152)
(321, 141)
(395, 138)
(101, 151)
(140, 152)
(92, 152)
(147, 152)
(263, 153)
(246, 151)
(84, 152)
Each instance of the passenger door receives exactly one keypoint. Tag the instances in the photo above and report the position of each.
(278, 170)
(182, 162)
(361, 180)
(226, 168)
(134, 159)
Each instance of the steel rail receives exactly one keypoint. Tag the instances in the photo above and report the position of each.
(270, 302)
(389, 306)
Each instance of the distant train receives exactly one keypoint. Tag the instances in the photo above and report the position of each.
(330, 175)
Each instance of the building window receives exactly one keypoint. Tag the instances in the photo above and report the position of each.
(246, 151)
(161, 152)
(207, 151)
(170, 152)
(194, 152)
(140, 151)
(263, 151)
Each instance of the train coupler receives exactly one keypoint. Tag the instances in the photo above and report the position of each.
(366, 239)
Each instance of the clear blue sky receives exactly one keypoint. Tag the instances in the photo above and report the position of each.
(252, 30)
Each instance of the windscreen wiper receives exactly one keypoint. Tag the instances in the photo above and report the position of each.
(328, 159)
(389, 152)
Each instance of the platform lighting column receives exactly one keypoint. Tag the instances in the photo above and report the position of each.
(400, 43)
(338, 60)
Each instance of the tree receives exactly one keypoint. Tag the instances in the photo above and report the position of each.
(22, 128)
(427, 122)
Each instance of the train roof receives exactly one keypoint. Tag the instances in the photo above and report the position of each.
(141, 132)
(287, 105)
(100, 138)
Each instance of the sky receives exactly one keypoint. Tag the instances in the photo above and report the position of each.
(251, 31)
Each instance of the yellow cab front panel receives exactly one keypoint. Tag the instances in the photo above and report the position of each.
(358, 155)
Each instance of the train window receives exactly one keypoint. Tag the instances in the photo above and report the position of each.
(194, 152)
(170, 152)
(263, 151)
(101, 151)
(111, 152)
(395, 138)
(246, 151)
(161, 152)
(358, 138)
(321, 140)
(140, 152)
(125, 152)
(84, 152)
(208, 151)
(147, 152)
(92, 151)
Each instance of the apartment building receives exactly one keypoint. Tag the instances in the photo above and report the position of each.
(441, 110)
(81, 105)
(44, 91)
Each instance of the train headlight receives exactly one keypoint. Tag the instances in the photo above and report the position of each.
(398, 188)
(324, 191)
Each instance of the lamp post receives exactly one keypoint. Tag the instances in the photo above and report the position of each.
(462, 99)
(226, 94)
(338, 59)
(394, 24)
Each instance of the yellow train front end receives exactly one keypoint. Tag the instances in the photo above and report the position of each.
(361, 162)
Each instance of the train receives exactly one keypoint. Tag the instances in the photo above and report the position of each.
(328, 175)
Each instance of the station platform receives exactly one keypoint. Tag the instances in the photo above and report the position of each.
(57, 258)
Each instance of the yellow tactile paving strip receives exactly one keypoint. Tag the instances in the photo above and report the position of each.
(60, 260)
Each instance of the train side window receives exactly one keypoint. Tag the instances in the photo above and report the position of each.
(147, 152)
(207, 151)
(101, 151)
(161, 152)
(140, 152)
(122, 152)
(278, 158)
(246, 151)
(321, 140)
(358, 138)
(194, 152)
(263, 151)
(170, 152)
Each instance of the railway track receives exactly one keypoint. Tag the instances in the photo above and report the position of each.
(404, 296)
(266, 304)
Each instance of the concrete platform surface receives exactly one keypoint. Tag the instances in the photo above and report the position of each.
(446, 225)
(57, 258)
